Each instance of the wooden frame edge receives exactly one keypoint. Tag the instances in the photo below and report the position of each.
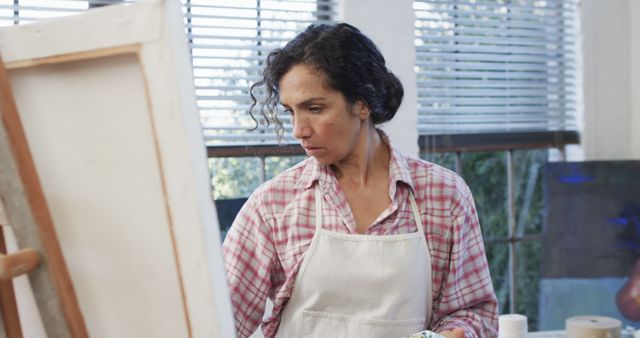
(38, 208)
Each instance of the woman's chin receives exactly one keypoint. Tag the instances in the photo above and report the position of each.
(324, 160)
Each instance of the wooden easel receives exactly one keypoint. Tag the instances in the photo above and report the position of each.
(28, 214)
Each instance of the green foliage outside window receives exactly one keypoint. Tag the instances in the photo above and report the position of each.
(235, 177)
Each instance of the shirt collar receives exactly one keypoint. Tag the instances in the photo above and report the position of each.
(313, 171)
(399, 170)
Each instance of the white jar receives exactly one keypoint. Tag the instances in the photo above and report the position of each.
(512, 326)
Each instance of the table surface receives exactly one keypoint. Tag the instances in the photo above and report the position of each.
(547, 334)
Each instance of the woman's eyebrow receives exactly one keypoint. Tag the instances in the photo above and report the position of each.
(306, 102)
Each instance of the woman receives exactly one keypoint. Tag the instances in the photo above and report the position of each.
(358, 240)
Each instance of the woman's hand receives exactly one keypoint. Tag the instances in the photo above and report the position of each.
(455, 333)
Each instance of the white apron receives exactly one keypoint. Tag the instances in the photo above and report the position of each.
(352, 285)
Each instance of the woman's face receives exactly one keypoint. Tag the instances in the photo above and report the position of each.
(324, 122)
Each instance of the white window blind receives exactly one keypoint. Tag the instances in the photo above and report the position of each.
(27, 11)
(229, 43)
(231, 40)
(495, 65)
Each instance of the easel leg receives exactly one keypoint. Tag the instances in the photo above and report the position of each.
(8, 304)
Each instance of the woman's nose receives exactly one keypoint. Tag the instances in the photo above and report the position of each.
(301, 128)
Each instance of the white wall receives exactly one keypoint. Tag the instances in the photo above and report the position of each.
(611, 79)
(390, 24)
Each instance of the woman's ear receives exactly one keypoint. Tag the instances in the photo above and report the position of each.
(362, 110)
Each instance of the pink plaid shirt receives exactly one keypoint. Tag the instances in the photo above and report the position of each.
(270, 236)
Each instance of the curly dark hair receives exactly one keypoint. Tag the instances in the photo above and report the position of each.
(350, 62)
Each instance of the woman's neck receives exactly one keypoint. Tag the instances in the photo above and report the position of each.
(369, 160)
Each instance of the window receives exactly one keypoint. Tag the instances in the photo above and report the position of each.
(495, 65)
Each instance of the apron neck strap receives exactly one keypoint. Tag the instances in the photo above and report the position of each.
(318, 207)
(416, 215)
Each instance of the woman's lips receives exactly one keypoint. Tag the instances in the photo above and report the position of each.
(312, 151)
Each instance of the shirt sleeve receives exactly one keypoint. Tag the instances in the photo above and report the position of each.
(468, 299)
(249, 256)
